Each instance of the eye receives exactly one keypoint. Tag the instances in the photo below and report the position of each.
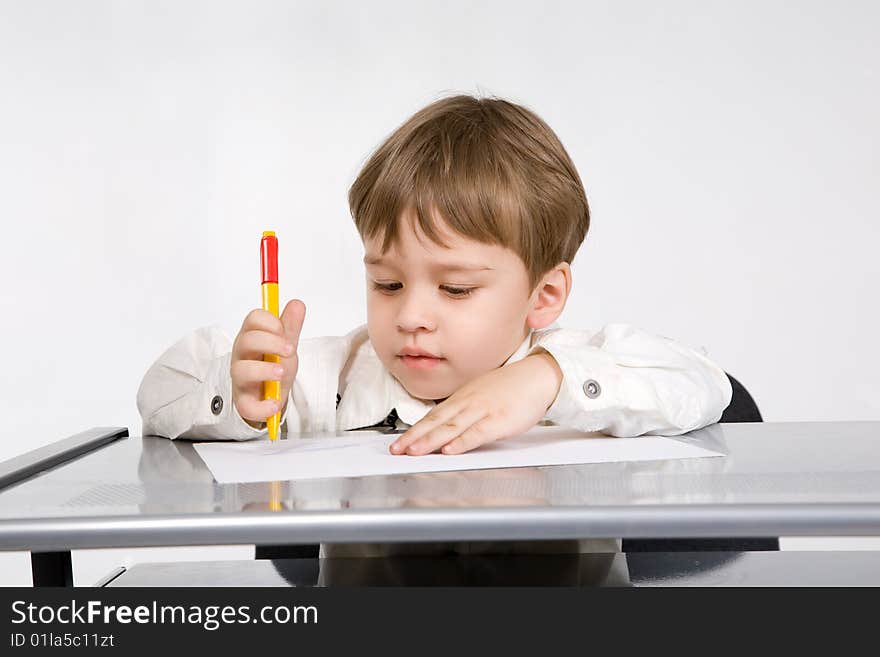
(459, 291)
(386, 288)
(455, 292)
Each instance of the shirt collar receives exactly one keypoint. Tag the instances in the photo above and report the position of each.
(371, 392)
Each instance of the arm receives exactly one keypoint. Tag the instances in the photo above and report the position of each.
(186, 393)
(626, 382)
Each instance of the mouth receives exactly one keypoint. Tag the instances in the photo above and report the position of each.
(420, 362)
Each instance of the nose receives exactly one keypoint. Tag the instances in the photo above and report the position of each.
(415, 312)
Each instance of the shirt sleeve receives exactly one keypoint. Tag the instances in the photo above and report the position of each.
(626, 382)
(187, 392)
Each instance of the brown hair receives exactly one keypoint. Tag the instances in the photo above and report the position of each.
(493, 170)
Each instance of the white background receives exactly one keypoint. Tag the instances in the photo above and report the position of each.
(729, 152)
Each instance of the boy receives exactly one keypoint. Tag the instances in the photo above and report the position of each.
(470, 213)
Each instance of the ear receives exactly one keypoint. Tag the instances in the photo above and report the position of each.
(549, 297)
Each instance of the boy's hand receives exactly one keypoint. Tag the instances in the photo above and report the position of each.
(263, 333)
(504, 402)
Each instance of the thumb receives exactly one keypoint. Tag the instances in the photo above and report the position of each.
(292, 319)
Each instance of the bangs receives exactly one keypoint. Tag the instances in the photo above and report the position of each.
(456, 182)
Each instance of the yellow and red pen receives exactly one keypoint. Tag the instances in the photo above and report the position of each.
(269, 271)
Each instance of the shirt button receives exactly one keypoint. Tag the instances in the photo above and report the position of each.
(217, 404)
(592, 389)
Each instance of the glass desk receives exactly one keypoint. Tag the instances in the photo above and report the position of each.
(103, 489)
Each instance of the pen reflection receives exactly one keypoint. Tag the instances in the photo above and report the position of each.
(269, 497)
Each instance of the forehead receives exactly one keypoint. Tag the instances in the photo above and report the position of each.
(413, 245)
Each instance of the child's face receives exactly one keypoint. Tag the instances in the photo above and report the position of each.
(422, 304)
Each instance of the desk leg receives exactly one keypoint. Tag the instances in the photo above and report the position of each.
(52, 568)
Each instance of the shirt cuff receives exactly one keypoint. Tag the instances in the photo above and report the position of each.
(588, 389)
(216, 415)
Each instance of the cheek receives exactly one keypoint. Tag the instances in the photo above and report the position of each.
(379, 326)
(490, 320)
(486, 337)
(377, 311)
(476, 340)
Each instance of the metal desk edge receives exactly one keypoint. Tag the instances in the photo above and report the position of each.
(43, 458)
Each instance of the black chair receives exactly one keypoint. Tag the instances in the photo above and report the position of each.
(742, 408)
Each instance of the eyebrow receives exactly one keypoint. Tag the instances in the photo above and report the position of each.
(442, 266)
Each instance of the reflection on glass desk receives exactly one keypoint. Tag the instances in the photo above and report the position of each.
(606, 570)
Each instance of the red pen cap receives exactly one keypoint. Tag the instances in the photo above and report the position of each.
(269, 257)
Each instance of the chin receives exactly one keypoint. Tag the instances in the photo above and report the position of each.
(426, 393)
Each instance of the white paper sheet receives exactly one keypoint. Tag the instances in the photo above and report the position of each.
(366, 453)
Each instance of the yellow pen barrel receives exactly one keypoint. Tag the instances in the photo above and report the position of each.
(271, 389)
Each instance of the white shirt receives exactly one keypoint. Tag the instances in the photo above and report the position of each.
(618, 380)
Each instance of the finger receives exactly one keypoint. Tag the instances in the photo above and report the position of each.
(262, 320)
(249, 372)
(440, 413)
(253, 344)
(252, 408)
(446, 431)
(292, 320)
(479, 433)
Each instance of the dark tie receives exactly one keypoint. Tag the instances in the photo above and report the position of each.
(385, 426)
